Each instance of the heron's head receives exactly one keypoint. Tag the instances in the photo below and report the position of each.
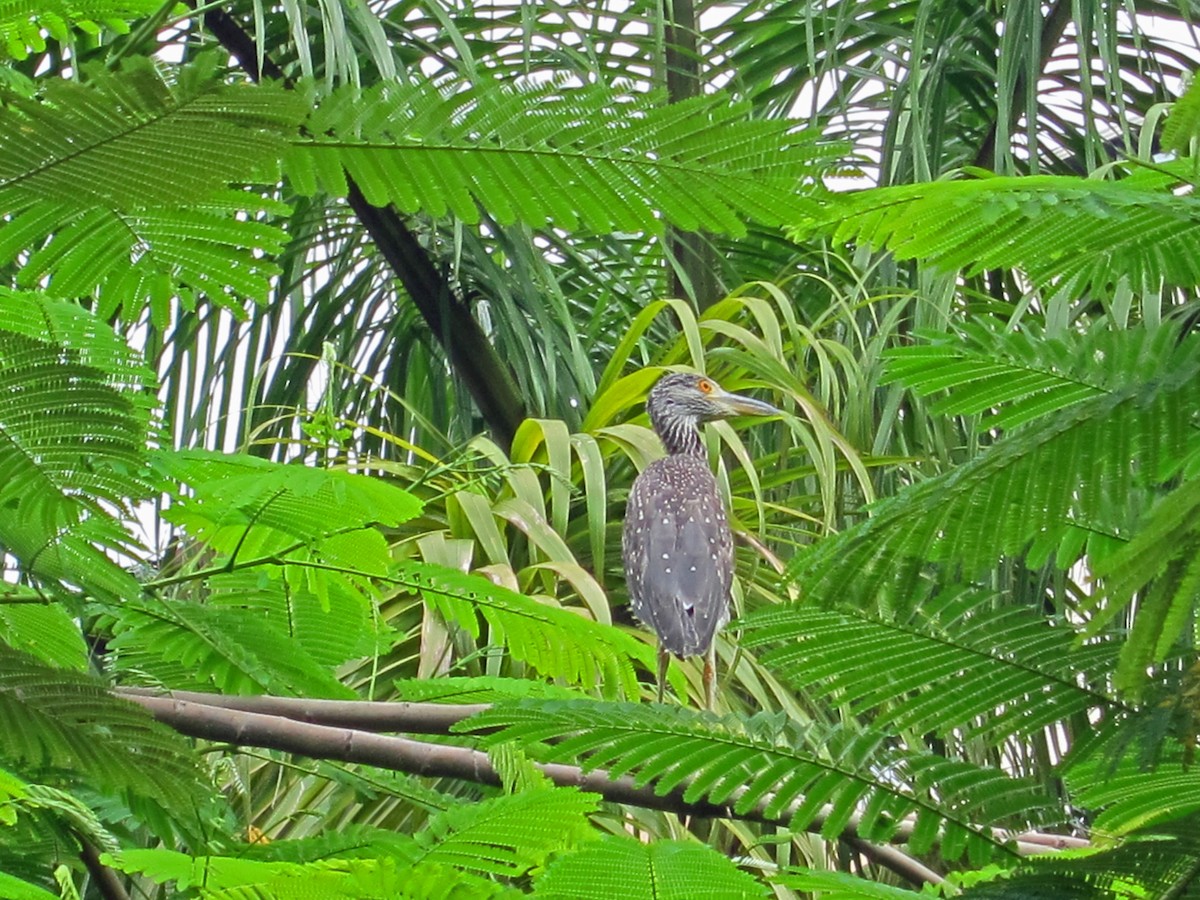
(683, 400)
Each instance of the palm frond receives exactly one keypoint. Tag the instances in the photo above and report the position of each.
(1064, 232)
(796, 774)
(580, 157)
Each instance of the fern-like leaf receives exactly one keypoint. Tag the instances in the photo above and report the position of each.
(16, 889)
(575, 157)
(953, 667)
(1126, 796)
(1034, 492)
(62, 719)
(505, 837)
(74, 423)
(662, 870)
(1062, 231)
(1016, 377)
(840, 886)
(509, 835)
(86, 219)
(1159, 863)
(1183, 124)
(245, 503)
(24, 24)
(48, 632)
(792, 773)
(206, 646)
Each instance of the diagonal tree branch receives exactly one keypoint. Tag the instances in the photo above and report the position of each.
(339, 729)
(372, 715)
(470, 353)
(446, 761)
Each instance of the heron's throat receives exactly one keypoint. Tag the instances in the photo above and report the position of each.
(681, 436)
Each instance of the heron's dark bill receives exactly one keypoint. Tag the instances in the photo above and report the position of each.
(739, 405)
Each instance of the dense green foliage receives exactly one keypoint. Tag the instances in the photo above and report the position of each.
(324, 333)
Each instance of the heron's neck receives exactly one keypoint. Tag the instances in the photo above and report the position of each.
(681, 436)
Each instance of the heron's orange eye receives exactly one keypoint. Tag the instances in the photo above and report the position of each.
(705, 386)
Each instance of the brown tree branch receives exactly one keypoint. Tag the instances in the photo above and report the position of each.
(472, 357)
(290, 728)
(107, 883)
(366, 715)
(438, 718)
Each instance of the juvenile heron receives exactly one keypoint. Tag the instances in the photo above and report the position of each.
(677, 548)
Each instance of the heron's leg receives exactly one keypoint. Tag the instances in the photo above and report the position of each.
(664, 660)
(710, 677)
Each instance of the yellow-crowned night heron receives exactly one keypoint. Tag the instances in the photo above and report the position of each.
(676, 545)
